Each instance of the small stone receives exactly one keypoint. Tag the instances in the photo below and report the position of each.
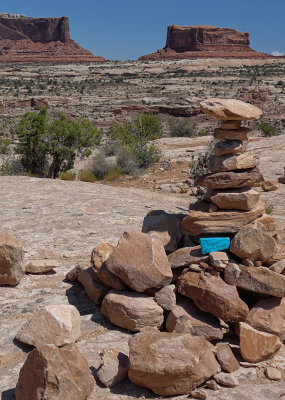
(228, 147)
(230, 109)
(269, 186)
(114, 368)
(53, 324)
(226, 379)
(94, 288)
(199, 394)
(100, 254)
(219, 259)
(186, 256)
(11, 259)
(196, 268)
(73, 274)
(236, 199)
(41, 266)
(268, 221)
(212, 384)
(278, 267)
(166, 297)
(226, 358)
(273, 374)
(231, 162)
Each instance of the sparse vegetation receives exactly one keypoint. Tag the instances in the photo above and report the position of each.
(268, 130)
(269, 209)
(67, 176)
(86, 176)
(181, 127)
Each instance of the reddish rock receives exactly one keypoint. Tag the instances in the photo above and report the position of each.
(100, 253)
(186, 256)
(110, 279)
(50, 372)
(140, 262)
(11, 259)
(73, 274)
(235, 199)
(257, 346)
(231, 179)
(170, 363)
(114, 368)
(241, 134)
(94, 288)
(213, 295)
(269, 186)
(268, 315)
(226, 358)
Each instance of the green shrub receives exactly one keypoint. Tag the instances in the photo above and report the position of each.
(181, 127)
(269, 209)
(268, 130)
(113, 174)
(204, 132)
(100, 166)
(67, 176)
(125, 159)
(86, 176)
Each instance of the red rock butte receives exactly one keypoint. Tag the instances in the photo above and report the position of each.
(204, 41)
(27, 39)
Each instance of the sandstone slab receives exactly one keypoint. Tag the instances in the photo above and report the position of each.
(186, 256)
(230, 109)
(229, 125)
(255, 279)
(170, 363)
(226, 358)
(226, 147)
(231, 179)
(131, 310)
(41, 266)
(140, 262)
(231, 162)
(211, 294)
(114, 368)
(235, 199)
(50, 373)
(54, 324)
(241, 134)
(257, 346)
(185, 317)
(100, 253)
(94, 288)
(253, 242)
(11, 259)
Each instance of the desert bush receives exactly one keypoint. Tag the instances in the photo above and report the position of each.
(268, 130)
(86, 176)
(67, 176)
(125, 159)
(113, 174)
(181, 127)
(100, 165)
(269, 209)
(199, 166)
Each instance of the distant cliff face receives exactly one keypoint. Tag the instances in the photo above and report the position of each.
(204, 41)
(42, 30)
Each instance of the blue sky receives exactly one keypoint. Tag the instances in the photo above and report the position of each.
(127, 29)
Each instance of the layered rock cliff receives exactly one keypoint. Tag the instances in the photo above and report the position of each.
(204, 41)
(26, 39)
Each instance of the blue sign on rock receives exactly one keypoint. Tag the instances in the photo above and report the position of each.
(214, 244)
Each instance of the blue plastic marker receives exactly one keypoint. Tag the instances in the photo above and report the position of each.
(214, 244)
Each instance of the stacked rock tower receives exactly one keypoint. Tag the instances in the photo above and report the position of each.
(231, 200)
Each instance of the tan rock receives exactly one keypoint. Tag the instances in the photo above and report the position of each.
(100, 254)
(41, 266)
(226, 379)
(241, 134)
(11, 259)
(114, 367)
(199, 394)
(140, 261)
(268, 221)
(257, 280)
(269, 186)
(231, 179)
(110, 279)
(278, 267)
(235, 199)
(212, 384)
(166, 226)
(185, 317)
(170, 363)
(73, 274)
(198, 222)
(94, 288)
(257, 346)
(53, 324)
(226, 147)
(229, 125)
(273, 374)
(253, 242)
(219, 260)
(211, 294)
(50, 373)
(226, 358)
(231, 162)
(166, 297)
(268, 315)
(230, 109)
(186, 256)
(131, 310)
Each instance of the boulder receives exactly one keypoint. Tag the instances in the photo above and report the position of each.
(94, 288)
(240, 134)
(41, 266)
(110, 279)
(170, 363)
(54, 324)
(231, 179)
(253, 242)
(230, 109)
(131, 310)
(166, 226)
(211, 294)
(11, 259)
(235, 199)
(185, 317)
(225, 379)
(226, 358)
(226, 147)
(257, 346)
(255, 279)
(268, 315)
(50, 373)
(208, 223)
(73, 274)
(100, 254)
(186, 256)
(219, 260)
(114, 367)
(166, 297)
(140, 262)
(269, 186)
(278, 267)
(231, 162)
